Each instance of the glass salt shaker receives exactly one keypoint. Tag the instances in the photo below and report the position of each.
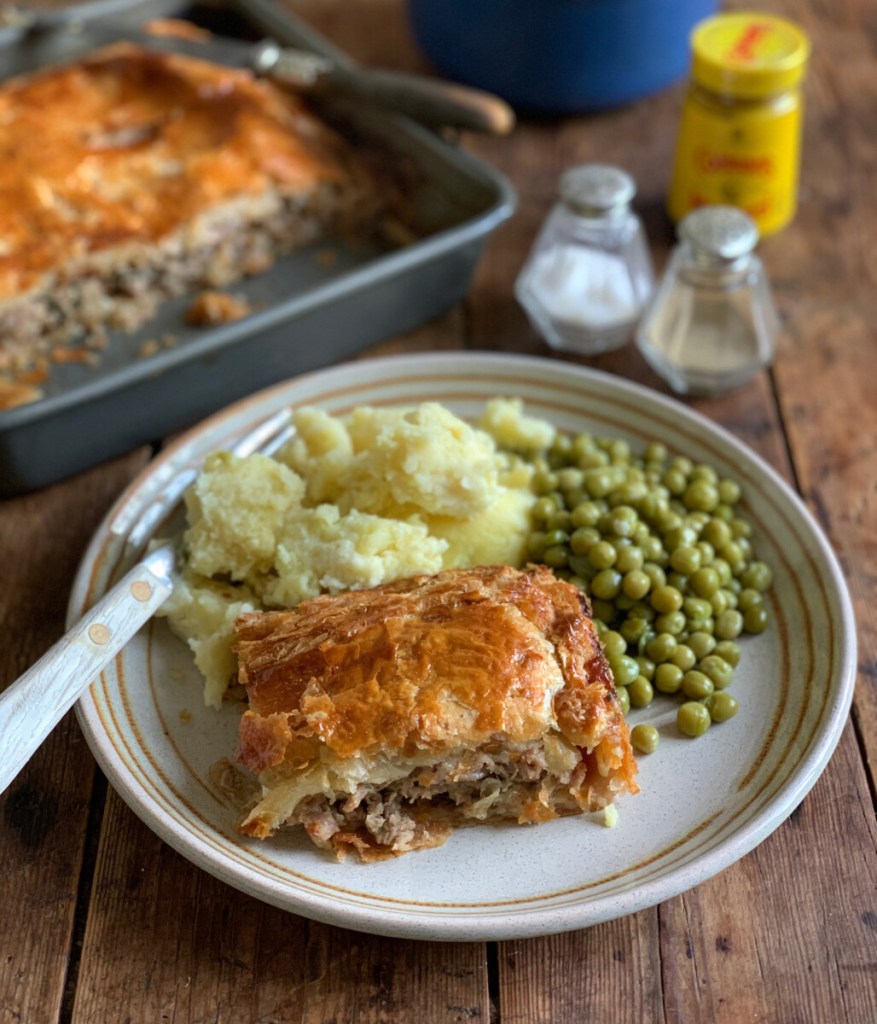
(589, 274)
(711, 324)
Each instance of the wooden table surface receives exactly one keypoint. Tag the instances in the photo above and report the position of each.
(101, 922)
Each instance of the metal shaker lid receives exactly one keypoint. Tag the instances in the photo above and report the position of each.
(722, 232)
(597, 190)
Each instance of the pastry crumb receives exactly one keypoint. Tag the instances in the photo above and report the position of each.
(213, 307)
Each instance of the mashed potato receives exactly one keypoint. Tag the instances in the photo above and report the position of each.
(351, 502)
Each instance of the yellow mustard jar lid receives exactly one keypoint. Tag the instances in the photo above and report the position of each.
(748, 55)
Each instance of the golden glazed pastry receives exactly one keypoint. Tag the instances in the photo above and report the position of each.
(132, 175)
(380, 719)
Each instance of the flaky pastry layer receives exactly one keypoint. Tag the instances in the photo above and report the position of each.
(380, 718)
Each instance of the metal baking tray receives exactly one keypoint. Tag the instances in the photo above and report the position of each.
(314, 307)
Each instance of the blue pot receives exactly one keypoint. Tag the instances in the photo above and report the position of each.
(559, 56)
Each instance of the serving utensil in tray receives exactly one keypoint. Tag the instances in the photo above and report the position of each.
(429, 100)
(314, 307)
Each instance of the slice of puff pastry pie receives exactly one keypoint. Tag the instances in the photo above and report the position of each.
(382, 719)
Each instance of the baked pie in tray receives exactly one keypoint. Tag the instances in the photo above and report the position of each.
(382, 719)
(132, 175)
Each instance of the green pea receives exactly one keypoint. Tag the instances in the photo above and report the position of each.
(733, 555)
(602, 555)
(697, 608)
(543, 508)
(544, 482)
(641, 692)
(701, 495)
(758, 576)
(661, 647)
(684, 657)
(741, 528)
(586, 513)
(599, 482)
(536, 545)
(693, 719)
(685, 560)
(581, 566)
(728, 651)
(646, 667)
(623, 520)
(606, 584)
(723, 570)
(729, 492)
(717, 670)
(636, 584)
(583, 539)
(633, 630)
(696, 685)
(671, 622)
(707, 552)
(645, 738)
(702, 471)
(729, 625)
(592, 459)
(677, 580)
(717, 533)
(624, 670)
(555, 537)
(705, 582)
(749, 598)
(656, 574)
(721, 706)
(701, 643)
(570, 479)
(629, 558)
(624, 699)
(666, 599)
(675, 481)
(755, 619)
(556, 556)
(559, 521)
(668, 677)
(614, 644)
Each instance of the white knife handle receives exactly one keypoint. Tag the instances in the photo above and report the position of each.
(34, 704)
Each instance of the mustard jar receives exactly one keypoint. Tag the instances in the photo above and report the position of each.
(589, 273)
(711, 324)
(739, 140)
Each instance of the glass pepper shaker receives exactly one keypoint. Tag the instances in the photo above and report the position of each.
(589, 274)
(711, 324)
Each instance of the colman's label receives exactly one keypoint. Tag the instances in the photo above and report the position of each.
(740, 135)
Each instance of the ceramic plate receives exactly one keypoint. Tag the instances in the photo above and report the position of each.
(154, 739)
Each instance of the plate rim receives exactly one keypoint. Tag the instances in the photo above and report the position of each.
(454, 925)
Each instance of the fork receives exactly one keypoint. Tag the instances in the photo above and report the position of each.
(34, 704)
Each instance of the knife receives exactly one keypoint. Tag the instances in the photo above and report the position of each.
(431, 101)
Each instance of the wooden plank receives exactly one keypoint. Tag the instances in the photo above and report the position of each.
(45, 810)
(605, 973)
(165, 941)
(744, 947)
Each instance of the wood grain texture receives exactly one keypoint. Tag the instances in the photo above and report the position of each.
(45, 811)
(165, 941)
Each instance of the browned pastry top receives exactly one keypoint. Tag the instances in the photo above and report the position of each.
(428, 664)
(127, 144)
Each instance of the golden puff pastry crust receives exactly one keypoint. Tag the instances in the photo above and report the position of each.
(127, 144)
(131, 176)
(381, 718)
